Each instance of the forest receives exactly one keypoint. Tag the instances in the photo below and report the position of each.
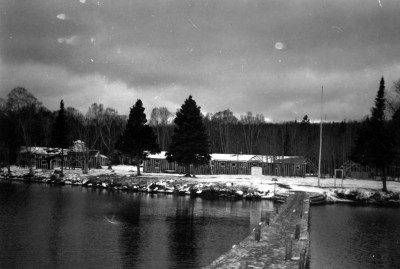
(25, 121)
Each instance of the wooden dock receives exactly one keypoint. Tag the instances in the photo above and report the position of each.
(284, 240)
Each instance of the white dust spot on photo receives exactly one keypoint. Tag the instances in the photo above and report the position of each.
(337, 28)
(280, 46)
(62, 16)
(82, 1)
(68, 40)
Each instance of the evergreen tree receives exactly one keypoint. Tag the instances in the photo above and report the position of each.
(305, 120)
(374, 145)
(138, 139)
(190, 142)
(59, 138)
(395, 132)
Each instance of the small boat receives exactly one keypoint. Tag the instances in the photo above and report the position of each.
(318, 199)
(279, 200)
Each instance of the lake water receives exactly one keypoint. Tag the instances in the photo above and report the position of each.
(45, 226)
(344, 236)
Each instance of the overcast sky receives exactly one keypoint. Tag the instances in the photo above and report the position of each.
(270, 56)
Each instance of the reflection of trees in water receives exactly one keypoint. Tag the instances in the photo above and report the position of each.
(57, 206)
(183, 235)
(130, 238)
(9, 193)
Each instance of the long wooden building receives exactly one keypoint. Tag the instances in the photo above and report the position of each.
(232, 164)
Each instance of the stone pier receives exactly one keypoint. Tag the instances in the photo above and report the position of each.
(284, 243)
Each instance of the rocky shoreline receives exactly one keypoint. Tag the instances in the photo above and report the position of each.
(152, 185)
(367, 197)
(179, 185)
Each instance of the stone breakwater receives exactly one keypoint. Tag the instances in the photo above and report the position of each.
(284, 240)
(153, 185)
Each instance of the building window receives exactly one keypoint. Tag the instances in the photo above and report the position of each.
(157, 163)
(222, 164)
(233, 165)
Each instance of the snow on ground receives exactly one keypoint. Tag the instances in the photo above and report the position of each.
(263, 183)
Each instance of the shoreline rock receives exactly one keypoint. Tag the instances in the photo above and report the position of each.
(195, 188)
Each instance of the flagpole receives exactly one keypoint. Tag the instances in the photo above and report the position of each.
(320, 140)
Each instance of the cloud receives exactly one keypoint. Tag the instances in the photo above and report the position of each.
(276, 55)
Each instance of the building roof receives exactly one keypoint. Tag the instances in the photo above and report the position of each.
(43, 151)
(47, 151)
(292, 159)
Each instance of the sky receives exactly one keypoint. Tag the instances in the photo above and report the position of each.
(270, 57)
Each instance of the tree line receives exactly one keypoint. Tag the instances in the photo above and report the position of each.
(25, 121)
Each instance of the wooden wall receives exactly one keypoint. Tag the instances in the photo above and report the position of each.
(41, 162)
(226, 168)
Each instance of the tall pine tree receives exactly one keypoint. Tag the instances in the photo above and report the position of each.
(190, 141)
(138, 139)
(59, 138)
(374, 145)
(395, 132)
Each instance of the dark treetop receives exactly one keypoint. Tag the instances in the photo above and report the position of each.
(190, 141)
(138, 139)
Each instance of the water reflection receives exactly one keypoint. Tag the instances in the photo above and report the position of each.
(45, 226)
(345, 236)
(182, 237)
(130, 235)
